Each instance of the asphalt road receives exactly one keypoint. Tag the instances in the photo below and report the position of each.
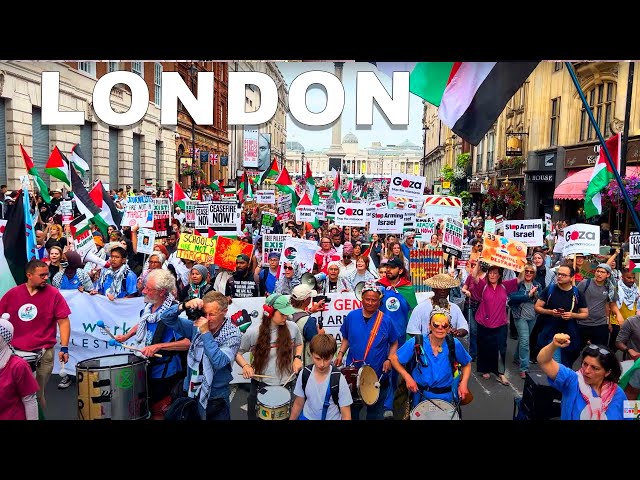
(492, 400)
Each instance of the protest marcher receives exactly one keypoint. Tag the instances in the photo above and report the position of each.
(198, 285)
(242, 283)
(117, 280)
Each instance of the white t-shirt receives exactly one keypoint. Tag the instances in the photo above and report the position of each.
(317, 392)
(419, 320)
(180, 216)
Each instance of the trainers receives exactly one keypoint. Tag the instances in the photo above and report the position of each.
(523, 375)
(65, 382)
(388, 414)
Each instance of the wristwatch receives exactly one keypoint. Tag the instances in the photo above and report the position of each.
(299, 357)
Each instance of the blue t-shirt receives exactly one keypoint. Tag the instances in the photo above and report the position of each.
(72, 284)
(572, 401)
(398, 309)
(174, 364)
(357, 332)
(437, 370)
(131, 286)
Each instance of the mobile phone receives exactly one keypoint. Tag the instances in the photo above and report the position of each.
(561, 310)
(320, 298)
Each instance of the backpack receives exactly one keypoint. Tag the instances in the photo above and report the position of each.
(334, 382)
(183, 409)
(576, 292)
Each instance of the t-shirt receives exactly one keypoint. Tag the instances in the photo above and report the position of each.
(316, 393)
(16, 381)
(419, 321)
(242, 288)
(560, 299)
(630, 333)
(573, 403)
(597, 298)
(34, 318)
(249, 340)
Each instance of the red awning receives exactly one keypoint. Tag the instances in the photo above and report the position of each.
(573, 187)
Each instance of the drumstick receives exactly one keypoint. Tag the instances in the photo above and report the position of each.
(114, 343)
(263, 376)
(101, 324)
(289, 379)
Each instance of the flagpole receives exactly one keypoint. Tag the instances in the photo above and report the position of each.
(603, 145)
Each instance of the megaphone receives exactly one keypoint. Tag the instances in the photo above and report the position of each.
(358, 290)
(92, 257)
(309, 280)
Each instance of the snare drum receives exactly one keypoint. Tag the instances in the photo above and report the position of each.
(434, 409)
(32, 358)
(274, 403)
(351, 375)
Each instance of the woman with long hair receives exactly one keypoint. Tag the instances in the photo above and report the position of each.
(55, 260)
(361, 273)
(276, 346)
(56, 233)
(395, 251)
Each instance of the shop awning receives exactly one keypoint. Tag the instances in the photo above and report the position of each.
(573, 187)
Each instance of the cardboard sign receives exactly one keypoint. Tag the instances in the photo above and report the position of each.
(350, 214)
(222, 217)
(146, 240)
(407, 186)
(305, 213)
(452, 237)
(190, 213)
(500, 251)
(581, 238)
(161, 216)
(634, 246)
(84, 243)
(227, 250)
(265, 197)
(300, 251)
(272, 243)
(197, 248)
(529, 232)
(387, 220)
(139, 211)
(267, 223)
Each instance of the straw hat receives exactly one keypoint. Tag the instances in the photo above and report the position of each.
(441, 281)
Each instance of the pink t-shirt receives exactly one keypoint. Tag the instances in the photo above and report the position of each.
(16, 381)
(34, 318)
(492, 311)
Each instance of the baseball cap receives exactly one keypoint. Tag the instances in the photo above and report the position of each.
(280, 303)
(395, 262)
(302, 292)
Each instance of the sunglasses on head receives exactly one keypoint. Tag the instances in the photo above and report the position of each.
(593, 348)
(443, 326)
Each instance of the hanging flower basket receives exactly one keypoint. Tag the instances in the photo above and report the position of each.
(190, 170)
(612, 194)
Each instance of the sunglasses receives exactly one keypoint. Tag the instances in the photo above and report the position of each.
(591, 347)
(529, 271)
(443, 326)
(287, 267)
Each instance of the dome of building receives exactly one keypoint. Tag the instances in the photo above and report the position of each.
(350, 138)
(295, 147)
(407, 143)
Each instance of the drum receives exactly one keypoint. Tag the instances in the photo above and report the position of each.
(434, 409)
(351, 375)
(368, 385)
(30, 357)
(113, 387)
(274, 403)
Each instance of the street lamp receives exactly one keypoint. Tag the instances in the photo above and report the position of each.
(193, 70)
(282, 144)
(506, 182)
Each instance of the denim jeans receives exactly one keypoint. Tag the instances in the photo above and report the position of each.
(473, 330)
(524, 327)
(375, 411)
(218, 409)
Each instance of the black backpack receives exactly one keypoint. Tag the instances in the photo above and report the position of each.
(334, 382)
(183, 409)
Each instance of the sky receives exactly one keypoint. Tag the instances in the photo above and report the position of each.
(319, 138)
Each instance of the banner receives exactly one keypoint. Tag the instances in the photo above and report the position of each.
(387, 220)
(529, 232)
(268, 222)
(265, 197)
(161, 216)
(350, 214)
(87, 339)
(500, 251)
(146, 240)
(250, 148)
(138, 211)
(272, 243)
(197, 248)
(581, 238)
(406, 187)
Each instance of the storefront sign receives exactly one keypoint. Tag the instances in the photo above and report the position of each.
(540, 177)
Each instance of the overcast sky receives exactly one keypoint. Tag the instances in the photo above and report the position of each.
(319, 138)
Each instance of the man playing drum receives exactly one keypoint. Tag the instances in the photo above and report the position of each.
(433, 376)
(370, 337)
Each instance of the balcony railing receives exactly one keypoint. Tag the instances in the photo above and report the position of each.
(511, 172)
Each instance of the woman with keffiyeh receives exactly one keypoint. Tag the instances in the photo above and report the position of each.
(591, 393)
(289, 279)
(72, 277)
(198, 285)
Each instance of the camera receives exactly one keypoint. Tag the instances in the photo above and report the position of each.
(194, 313)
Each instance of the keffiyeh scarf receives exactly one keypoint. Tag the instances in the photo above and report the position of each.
(596, 406)
(150, 317)
(118, 276)
(627, 295)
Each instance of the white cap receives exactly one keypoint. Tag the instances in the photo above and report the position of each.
(302, 292)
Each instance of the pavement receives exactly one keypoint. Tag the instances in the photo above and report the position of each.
(492, 400)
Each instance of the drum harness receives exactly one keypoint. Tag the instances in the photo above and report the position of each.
(39, 354)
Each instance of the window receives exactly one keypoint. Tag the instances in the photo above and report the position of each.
(555, 121)
(158, 161)
(157, 83)
(602, 104)
(137, 141)
(557, 66)
(136, 67)
(113, 67)
(3, 144)
(479, 159)
(491, 141)
(87, 67)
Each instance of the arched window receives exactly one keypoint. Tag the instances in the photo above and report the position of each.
(602, 102)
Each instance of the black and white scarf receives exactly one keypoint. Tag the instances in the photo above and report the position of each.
(118, 276)
(627, 295)
(148, 316)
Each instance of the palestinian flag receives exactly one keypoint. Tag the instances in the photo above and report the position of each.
(405, 288)
(214, 186)
(470, 95)
(31, 170)
(178, 196)
(336, 195)
(245, 191)
(601, 176)
(13, 247)
(58, 166)
(77, 158)
(633, 266)
(270, 173)
(286, 186)
(84, 201)
(108, 210)
(311, 185)
(79, 225)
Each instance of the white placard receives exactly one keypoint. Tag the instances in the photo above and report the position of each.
(581, 238)
(265, 197)
(490, 225)
(305, 213)
(407, 186)
(223, 217)
(139, 211)
(387, 220)
(300, 251)
(146, 240)
(452, 237)
(634, 246)
(84, 243)
(350, 214)
(529, 232)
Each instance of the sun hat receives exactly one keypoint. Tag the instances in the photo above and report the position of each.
(442, 281)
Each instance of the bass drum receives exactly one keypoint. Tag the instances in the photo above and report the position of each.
(434, 409)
